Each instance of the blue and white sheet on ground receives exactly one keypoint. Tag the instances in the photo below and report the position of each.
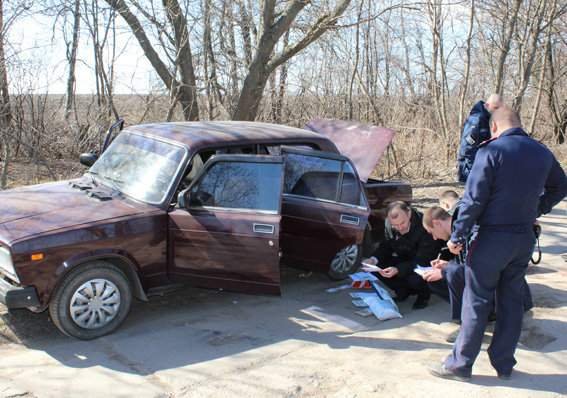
(379, 302)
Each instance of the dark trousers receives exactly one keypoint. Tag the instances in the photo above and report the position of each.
(409, 284)
(453, 286)
(497, 267)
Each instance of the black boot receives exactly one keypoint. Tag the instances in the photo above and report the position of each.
(421, 302)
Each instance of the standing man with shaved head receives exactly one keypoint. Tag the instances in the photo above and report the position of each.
(514, 180)
(475, 131)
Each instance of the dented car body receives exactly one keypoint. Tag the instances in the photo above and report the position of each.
(209, 204)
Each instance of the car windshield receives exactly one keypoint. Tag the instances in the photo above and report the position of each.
(140, 167)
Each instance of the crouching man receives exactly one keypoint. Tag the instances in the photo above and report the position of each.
(406, 245)
(447, 279)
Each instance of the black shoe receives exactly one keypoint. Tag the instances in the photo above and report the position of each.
(504, 376)
(401, 295)
(420, 303)
(444, 373)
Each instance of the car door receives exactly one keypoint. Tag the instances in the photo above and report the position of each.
(324, 211)
(226, 233)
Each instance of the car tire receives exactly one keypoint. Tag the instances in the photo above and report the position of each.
(91, 301)
(345, 262)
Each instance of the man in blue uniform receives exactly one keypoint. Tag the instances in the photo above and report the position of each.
(514, 180)
(475, 131)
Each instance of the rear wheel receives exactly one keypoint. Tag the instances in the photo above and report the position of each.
(92, 301)
(345, 262)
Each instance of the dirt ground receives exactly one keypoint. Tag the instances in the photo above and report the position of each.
(306, 343)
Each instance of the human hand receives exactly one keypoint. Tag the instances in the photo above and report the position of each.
(439, 264)
(389, 272)
(454, 248)
(433, 276)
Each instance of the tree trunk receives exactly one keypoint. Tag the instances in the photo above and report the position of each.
(70, 97)
(508, 29)
(5, 108)
(467, 66)
(184, 59)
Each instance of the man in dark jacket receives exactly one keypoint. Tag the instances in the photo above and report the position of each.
(475, 131)
(407, 245)
(513, 181)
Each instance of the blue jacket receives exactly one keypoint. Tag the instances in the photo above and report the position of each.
(514, 180)
(475, 131)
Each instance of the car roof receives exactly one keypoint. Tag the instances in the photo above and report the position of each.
(202, 135)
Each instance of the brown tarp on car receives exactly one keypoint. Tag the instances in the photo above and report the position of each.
(363, 144)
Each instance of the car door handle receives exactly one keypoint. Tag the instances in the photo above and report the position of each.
(263, 228)
(348, 219)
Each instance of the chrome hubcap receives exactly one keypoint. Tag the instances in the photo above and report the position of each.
(345, 259)
(95, 304)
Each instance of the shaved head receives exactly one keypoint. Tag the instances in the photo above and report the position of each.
(502, 119)
(494, 102)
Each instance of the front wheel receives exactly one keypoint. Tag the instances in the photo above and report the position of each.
(92, 301)
(345, 262)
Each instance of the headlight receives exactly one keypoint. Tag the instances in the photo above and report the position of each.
(6, 265)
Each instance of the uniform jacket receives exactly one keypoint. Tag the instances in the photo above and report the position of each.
(475, 131)
(514, 180)
(406, 251)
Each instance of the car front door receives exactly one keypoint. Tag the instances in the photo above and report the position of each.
(226, 233)
(324, 212)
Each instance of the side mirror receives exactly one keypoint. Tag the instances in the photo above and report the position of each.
(88, 159)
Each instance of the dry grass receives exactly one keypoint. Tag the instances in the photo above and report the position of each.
(46, 147)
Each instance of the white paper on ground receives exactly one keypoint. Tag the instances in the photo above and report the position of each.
(337, 288)
(364, 312)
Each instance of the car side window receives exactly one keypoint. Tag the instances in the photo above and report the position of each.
(239, 185)
(320, 178)
(311, 176)
(350, 189)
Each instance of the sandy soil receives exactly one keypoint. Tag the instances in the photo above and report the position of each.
(306, 343)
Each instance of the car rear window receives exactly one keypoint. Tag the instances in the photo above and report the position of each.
(318, 178)
(311, 176)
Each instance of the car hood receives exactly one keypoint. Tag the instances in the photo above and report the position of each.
(363, 144)
(38, 209)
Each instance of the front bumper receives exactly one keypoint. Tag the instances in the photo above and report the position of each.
(17, 297)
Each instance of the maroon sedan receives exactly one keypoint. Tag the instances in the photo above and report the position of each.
(210, 204)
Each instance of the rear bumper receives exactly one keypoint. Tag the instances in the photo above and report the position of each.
(17, 297)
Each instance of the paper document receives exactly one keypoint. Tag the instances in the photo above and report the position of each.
(420, 270)
(370, 267)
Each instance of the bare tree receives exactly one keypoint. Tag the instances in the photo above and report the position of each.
(181, 81)
(274, 25)
(508, 27)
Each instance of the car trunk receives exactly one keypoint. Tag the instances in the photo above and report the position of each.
(363, 144)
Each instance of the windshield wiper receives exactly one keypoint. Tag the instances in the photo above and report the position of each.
(92, 174)
(113, 182)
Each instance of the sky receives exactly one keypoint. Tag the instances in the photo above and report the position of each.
(40, 63)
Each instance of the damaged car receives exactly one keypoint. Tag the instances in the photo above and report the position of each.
(209, 204)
